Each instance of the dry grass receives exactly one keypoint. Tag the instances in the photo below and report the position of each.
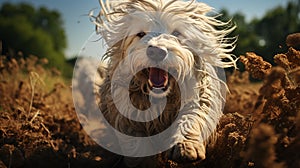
(39, 126)
(38, 123)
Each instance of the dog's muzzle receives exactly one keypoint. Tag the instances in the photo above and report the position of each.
(158, 78)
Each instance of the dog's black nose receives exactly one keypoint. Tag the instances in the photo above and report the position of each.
(156, 53)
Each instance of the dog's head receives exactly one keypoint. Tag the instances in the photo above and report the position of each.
(163, 41)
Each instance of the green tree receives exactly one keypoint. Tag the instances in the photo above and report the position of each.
(33, 31)
(275, 26)
(265, 36)
(247, 38)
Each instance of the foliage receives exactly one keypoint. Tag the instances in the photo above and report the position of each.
(33, 31)
(266, 35)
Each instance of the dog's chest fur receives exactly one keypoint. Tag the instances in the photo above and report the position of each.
(140, 101)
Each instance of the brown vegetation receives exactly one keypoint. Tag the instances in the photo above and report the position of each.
(38, 123)
(260, 128)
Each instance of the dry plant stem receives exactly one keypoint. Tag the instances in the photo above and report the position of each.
(35, 115)
(34, 78)
(32, 85)
(46, 129)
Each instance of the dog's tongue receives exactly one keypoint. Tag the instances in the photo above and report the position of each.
(158, 77)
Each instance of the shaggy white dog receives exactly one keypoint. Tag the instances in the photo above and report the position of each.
(162, 73)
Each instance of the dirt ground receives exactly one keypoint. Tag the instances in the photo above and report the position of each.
(260, 128)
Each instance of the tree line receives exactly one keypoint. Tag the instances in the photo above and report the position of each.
(266, 35)
(40, 31)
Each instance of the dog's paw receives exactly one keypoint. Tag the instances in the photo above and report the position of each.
(187, 151)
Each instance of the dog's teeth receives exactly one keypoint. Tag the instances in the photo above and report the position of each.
(165, 83)
(150, 83)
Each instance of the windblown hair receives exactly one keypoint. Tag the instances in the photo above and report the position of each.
(195, 20)
(196, 42)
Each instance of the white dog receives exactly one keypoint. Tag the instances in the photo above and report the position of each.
(161, 71)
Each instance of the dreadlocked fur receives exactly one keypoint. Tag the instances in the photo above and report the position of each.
(196, 43)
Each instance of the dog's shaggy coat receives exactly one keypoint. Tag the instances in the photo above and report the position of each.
(193, 43)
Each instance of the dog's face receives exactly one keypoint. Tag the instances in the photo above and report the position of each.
(164, 41)
(159, 52)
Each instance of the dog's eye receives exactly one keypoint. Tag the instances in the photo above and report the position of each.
(176, 33)
(141, 34)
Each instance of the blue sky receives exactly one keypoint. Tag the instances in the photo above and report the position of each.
(79, 28)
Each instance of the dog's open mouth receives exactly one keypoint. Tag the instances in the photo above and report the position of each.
(158, 79)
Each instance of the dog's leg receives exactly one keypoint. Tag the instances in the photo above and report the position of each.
(197, 120)
(189, 138)
(194, 126)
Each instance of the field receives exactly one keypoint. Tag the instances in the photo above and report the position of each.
(260, 128)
